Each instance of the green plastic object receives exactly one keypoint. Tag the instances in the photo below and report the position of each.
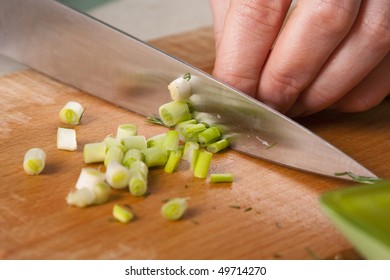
(362, 214)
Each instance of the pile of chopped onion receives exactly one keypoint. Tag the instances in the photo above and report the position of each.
(128, 156)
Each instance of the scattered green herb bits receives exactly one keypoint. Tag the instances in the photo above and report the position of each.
(122, 214)
(66, 139)
(34, 161)
(174, 209)
(71, 113)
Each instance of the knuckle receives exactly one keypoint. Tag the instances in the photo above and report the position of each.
(261, 15)
(334, 16)
(285, 84)
(376, 28)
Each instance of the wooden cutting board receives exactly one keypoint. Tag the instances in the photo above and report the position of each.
(278, 215)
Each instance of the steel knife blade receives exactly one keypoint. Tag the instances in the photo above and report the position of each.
(101, 60)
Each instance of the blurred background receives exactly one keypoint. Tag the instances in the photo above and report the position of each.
(144, 19)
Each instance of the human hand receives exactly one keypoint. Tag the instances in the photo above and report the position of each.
(329, 55)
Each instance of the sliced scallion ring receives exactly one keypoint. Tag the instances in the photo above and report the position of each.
(71, 113)
(34, 161)
(122, 214)
(117, 176)
(66, 139)
(174, 209)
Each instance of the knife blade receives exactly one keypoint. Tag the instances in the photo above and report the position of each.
(99, 59)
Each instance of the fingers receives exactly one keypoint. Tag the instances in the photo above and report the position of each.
(312, 33)
(219, 10)
(368, 93)
(361, 51)
(250, 29)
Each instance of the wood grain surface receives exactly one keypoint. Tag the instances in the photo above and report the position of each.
(279, 215)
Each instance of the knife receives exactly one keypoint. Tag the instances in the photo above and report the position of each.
(86, 53)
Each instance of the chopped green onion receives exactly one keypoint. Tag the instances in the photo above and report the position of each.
(192, 131)
(190, 153)
(117, 176)
(131, 156)
(102, 193)
(181, 126)
(221, 178)
(34, 161)
(209, 136)
(202, 164)
(138, 184)
(121, 214)
(89, 177)
(66, 139)
(174, 209)
(173, 161)
(156, 140)
(187, 76)
(218, 146)
(114, 153)
(180, 89)
(155, 156)
(174, 112)
(81, 198)
(126, 130)
(359, 179)
(94, 152)
(110, 141)
(139, 167)
(135, 142)
(71, 113)
(171, 142)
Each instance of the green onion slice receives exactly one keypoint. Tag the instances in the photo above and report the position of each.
(122, 214)
(71, 113)
(174, 112)
(202, 164)
(221, 178)
(174, 209)
(34, 161)
(66, 139)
